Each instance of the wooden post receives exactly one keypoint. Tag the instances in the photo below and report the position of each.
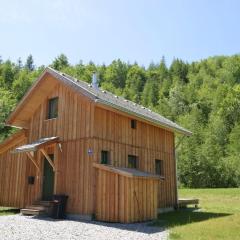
(30, 155)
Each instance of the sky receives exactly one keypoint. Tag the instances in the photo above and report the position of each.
(132, 30)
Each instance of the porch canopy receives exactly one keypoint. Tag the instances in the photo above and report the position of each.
(30, 148)
(34, 146)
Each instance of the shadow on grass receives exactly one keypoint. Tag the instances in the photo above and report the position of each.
(7, 211)
(184, 217)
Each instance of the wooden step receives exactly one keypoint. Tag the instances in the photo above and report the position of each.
(33, 212)
(44, 203)
(37, 207)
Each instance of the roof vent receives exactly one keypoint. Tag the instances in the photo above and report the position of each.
(94, 80)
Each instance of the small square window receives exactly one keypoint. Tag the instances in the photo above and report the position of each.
(159, 169)
(105, 157)
(31, 180)
(133, 123)
(132, 161)
(52, 108)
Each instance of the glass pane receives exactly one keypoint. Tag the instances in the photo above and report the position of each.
(159, 167)
(104, 157)
(132, 161)
(53, 108)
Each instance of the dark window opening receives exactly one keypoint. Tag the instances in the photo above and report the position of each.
(105, 157)
(159, 167)
(31, 180)
(53, 108)
(133, 123)
(132, 161)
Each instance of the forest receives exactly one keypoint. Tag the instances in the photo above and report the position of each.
(202, 96)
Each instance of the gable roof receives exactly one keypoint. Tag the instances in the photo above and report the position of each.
(106, 98)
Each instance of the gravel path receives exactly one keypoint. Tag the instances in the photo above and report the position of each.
(17, 227)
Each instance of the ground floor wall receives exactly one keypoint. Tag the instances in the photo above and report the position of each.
(74, 174)
(13, 168)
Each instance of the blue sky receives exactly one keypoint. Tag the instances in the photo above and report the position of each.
(132, 30)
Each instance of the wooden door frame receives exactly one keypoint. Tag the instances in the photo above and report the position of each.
(52, 149)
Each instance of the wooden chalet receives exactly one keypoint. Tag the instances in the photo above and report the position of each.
(113, 158)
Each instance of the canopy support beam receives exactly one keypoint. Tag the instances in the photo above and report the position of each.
(48, 158)
(31, 157)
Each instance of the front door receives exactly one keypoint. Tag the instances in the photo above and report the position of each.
(48, 180)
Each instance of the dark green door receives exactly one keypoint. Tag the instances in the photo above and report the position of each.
(48, 180)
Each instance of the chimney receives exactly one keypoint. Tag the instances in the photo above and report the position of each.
(94, 80)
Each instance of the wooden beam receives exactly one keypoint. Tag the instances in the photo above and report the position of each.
(48, 158)
(30, 155)
(48, 143)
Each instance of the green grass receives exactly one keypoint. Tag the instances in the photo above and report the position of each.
(218, 218)
(8, 211)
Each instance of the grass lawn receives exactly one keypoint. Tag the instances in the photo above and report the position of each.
(218, 218)
(8, 211)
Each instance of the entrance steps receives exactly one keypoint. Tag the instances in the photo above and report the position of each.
(40, 208)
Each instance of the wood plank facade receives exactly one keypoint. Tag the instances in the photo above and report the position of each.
(84, 128)
(123, 198)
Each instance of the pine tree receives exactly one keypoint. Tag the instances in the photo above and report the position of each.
(60, 62)
(19, 63)
(29, 65)
(116, 74)
(134, 83)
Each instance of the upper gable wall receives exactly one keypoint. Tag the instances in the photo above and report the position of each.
(73, 121)
(31, 101)
(116, 127)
